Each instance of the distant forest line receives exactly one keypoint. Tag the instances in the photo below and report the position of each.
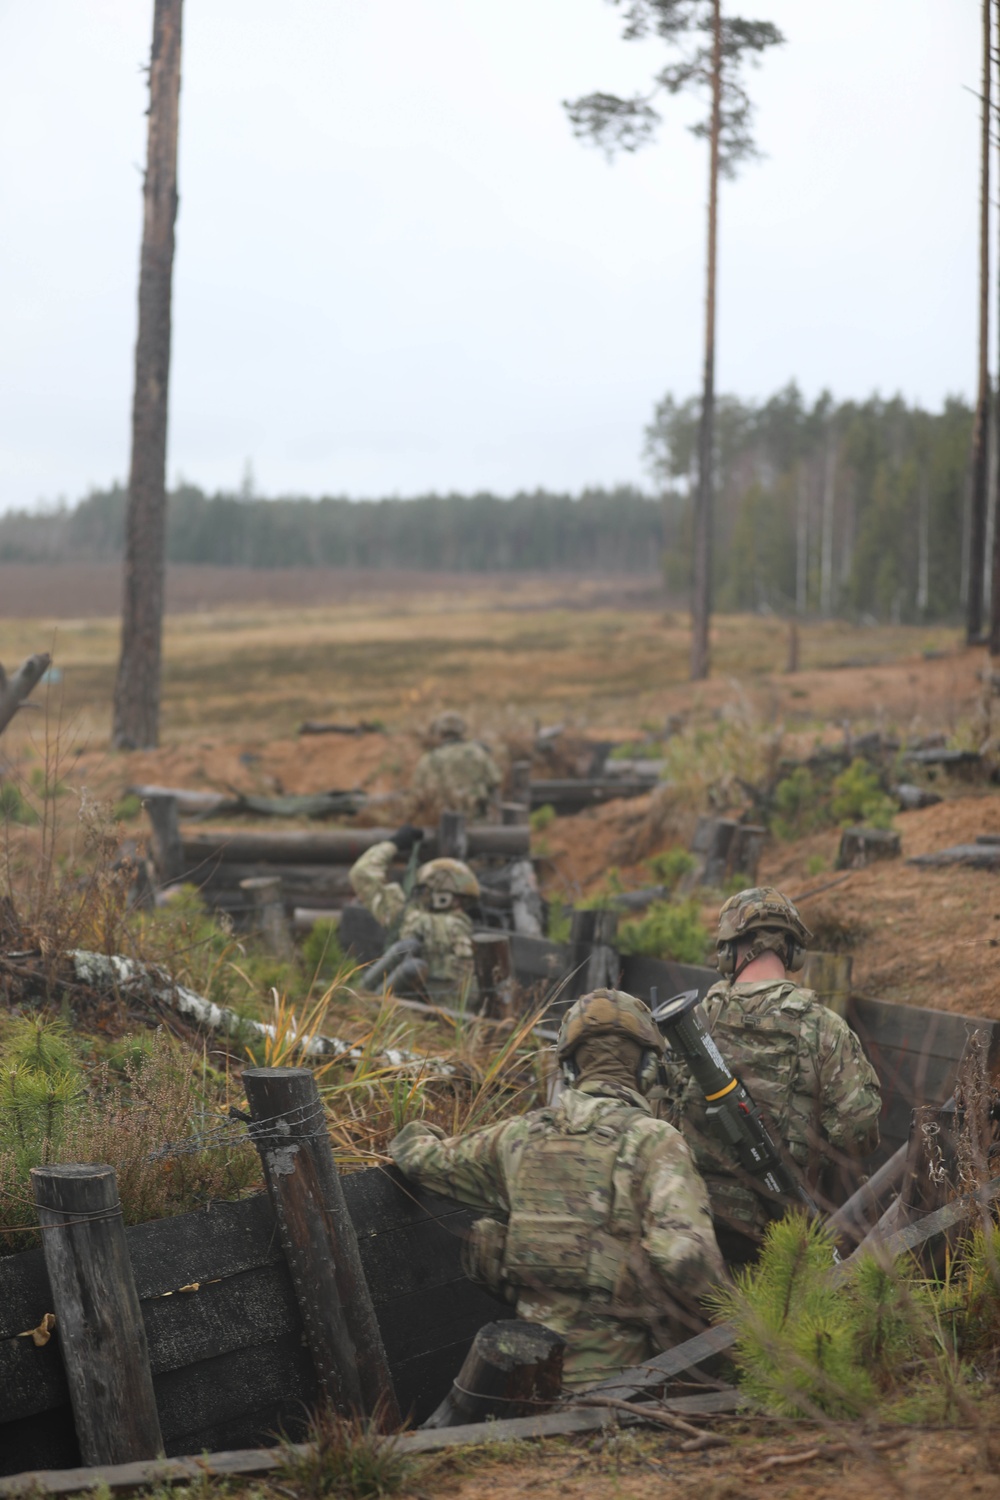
(851, 508)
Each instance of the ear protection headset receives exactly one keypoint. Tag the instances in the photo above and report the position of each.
(794, 956)
(648, 1074)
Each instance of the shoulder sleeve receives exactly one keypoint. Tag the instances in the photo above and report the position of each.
(851, 1099)
(383, 898)
(677, 1232)
(471, 1168)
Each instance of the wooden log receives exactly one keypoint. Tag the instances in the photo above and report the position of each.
(570, 795)
(973, 856)
(319, 1241)
(453, 840)
(495, 975)
(263, 894)
(168, 850)
(863, 846)
(15, 690)
(792, 659)
(829, 974)
(520, 781)
(101, 1332)
(514, 814)
(513, 1369)
(334, 846)
(593, 961)
(525, 899)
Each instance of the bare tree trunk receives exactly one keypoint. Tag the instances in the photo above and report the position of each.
(701, 603)
(995, 559)
(137, 690)
(977, 528)
(802, 545)
(826, 529)
(923, 535)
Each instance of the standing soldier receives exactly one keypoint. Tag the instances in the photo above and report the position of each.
(435, 915)
(456, 774)
(608, 1239)
(800, 1062)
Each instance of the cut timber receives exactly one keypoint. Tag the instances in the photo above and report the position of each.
(453, 836)
(593, 960)
(911, 797)
(168, 851)
(829, 974)
(513, 814)
(319, 1241)
(340, 847)
(973, 856)
(495, 975)
(263, 893)
(15, 690)
(727, 848)
(319, 726)
(512, 1370)
(572, 795)
(863, 846)
(101, 1332)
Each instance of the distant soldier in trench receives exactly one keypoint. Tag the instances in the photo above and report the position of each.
(801, 1063)
(455, 774)
(608, 1237)
(433, 921)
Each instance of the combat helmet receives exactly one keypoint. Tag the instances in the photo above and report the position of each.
(610, 1013)
(771, 918)
(447, 727)
(447, 878)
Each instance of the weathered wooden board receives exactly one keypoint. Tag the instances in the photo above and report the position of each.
(340, 847)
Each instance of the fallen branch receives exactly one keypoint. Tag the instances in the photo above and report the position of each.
(14, 690)
(697, 1436)
(792, 1457)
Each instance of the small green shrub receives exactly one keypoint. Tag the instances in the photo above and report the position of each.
(128, 808)
(14, 806)
(637, 750)
(322, 954)
(800, 806)
(542, 817)
(858, 798)
(560, 920)
(816, 864)
(668, 930)
(672, 865)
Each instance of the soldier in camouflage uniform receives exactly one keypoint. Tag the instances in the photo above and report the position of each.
(801, 1063)
(457, 774)
(608, 1239)
(436, 912)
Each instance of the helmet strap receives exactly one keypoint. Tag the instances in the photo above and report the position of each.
(765, 942)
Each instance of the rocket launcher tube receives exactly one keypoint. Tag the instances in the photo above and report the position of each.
(732, 1113)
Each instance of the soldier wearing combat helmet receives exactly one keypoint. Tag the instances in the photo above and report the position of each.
(608, 1236)
(455, 773)
(436, 912)
(800, 1062)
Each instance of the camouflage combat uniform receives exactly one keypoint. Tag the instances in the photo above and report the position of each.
(609, 1241)
(446, 936)
(805, 1068)
(462, 777)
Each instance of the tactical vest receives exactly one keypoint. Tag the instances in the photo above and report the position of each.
(764, 1049)
(573, 1219)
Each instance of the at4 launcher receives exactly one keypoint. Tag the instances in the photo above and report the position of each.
(734, 1117)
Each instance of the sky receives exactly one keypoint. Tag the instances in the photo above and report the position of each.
(397, 271)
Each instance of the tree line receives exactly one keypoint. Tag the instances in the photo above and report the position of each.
(830, 508)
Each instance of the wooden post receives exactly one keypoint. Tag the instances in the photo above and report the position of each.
(520, 781)
(513, 1369)
(513, 814)
(453, 839)
(602, 964)
(267, 915)
(319, 1241)
(862, 846)
(101, 1332)
(168, 850)
(495, 975)
(792, 663)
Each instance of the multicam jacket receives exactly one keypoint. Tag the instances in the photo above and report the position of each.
(805, 1068)
(458, 777)
(445, 936)
(609, 1239)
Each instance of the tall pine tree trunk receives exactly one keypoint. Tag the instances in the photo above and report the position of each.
(802, 543)
(977, 526)
(701, 602)
(137, 689)
(826, 529)
(995, 560)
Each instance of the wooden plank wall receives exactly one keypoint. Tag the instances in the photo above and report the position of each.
(229, 1362)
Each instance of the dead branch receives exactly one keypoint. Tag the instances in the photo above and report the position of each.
(15, 690)
(698, 1437)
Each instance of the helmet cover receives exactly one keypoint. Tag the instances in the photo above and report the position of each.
(606, 1013)
(449, 876)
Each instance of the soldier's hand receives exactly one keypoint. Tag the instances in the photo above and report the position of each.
(404, 838)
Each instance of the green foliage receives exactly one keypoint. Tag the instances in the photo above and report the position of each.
(816, 864)
(348, 1457)
(800, 807)
(667, 930)
(127, 808)
(560, 920)
(672, 865)
(542, 817)
(858, 797)
(322, 954)
(981, 1264)
(14, 806)
(637, 750)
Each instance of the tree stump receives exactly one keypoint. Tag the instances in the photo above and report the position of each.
(513, 1369)
(520, 781)
(495, 977)
(168, 850)
(526, 902)
(863, 846)
(593, 959)
(513, 814)
(728, 848)
(267, 913)
(101, 1333)
(453, 838)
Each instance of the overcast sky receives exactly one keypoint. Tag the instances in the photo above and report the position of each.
(397, 270)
